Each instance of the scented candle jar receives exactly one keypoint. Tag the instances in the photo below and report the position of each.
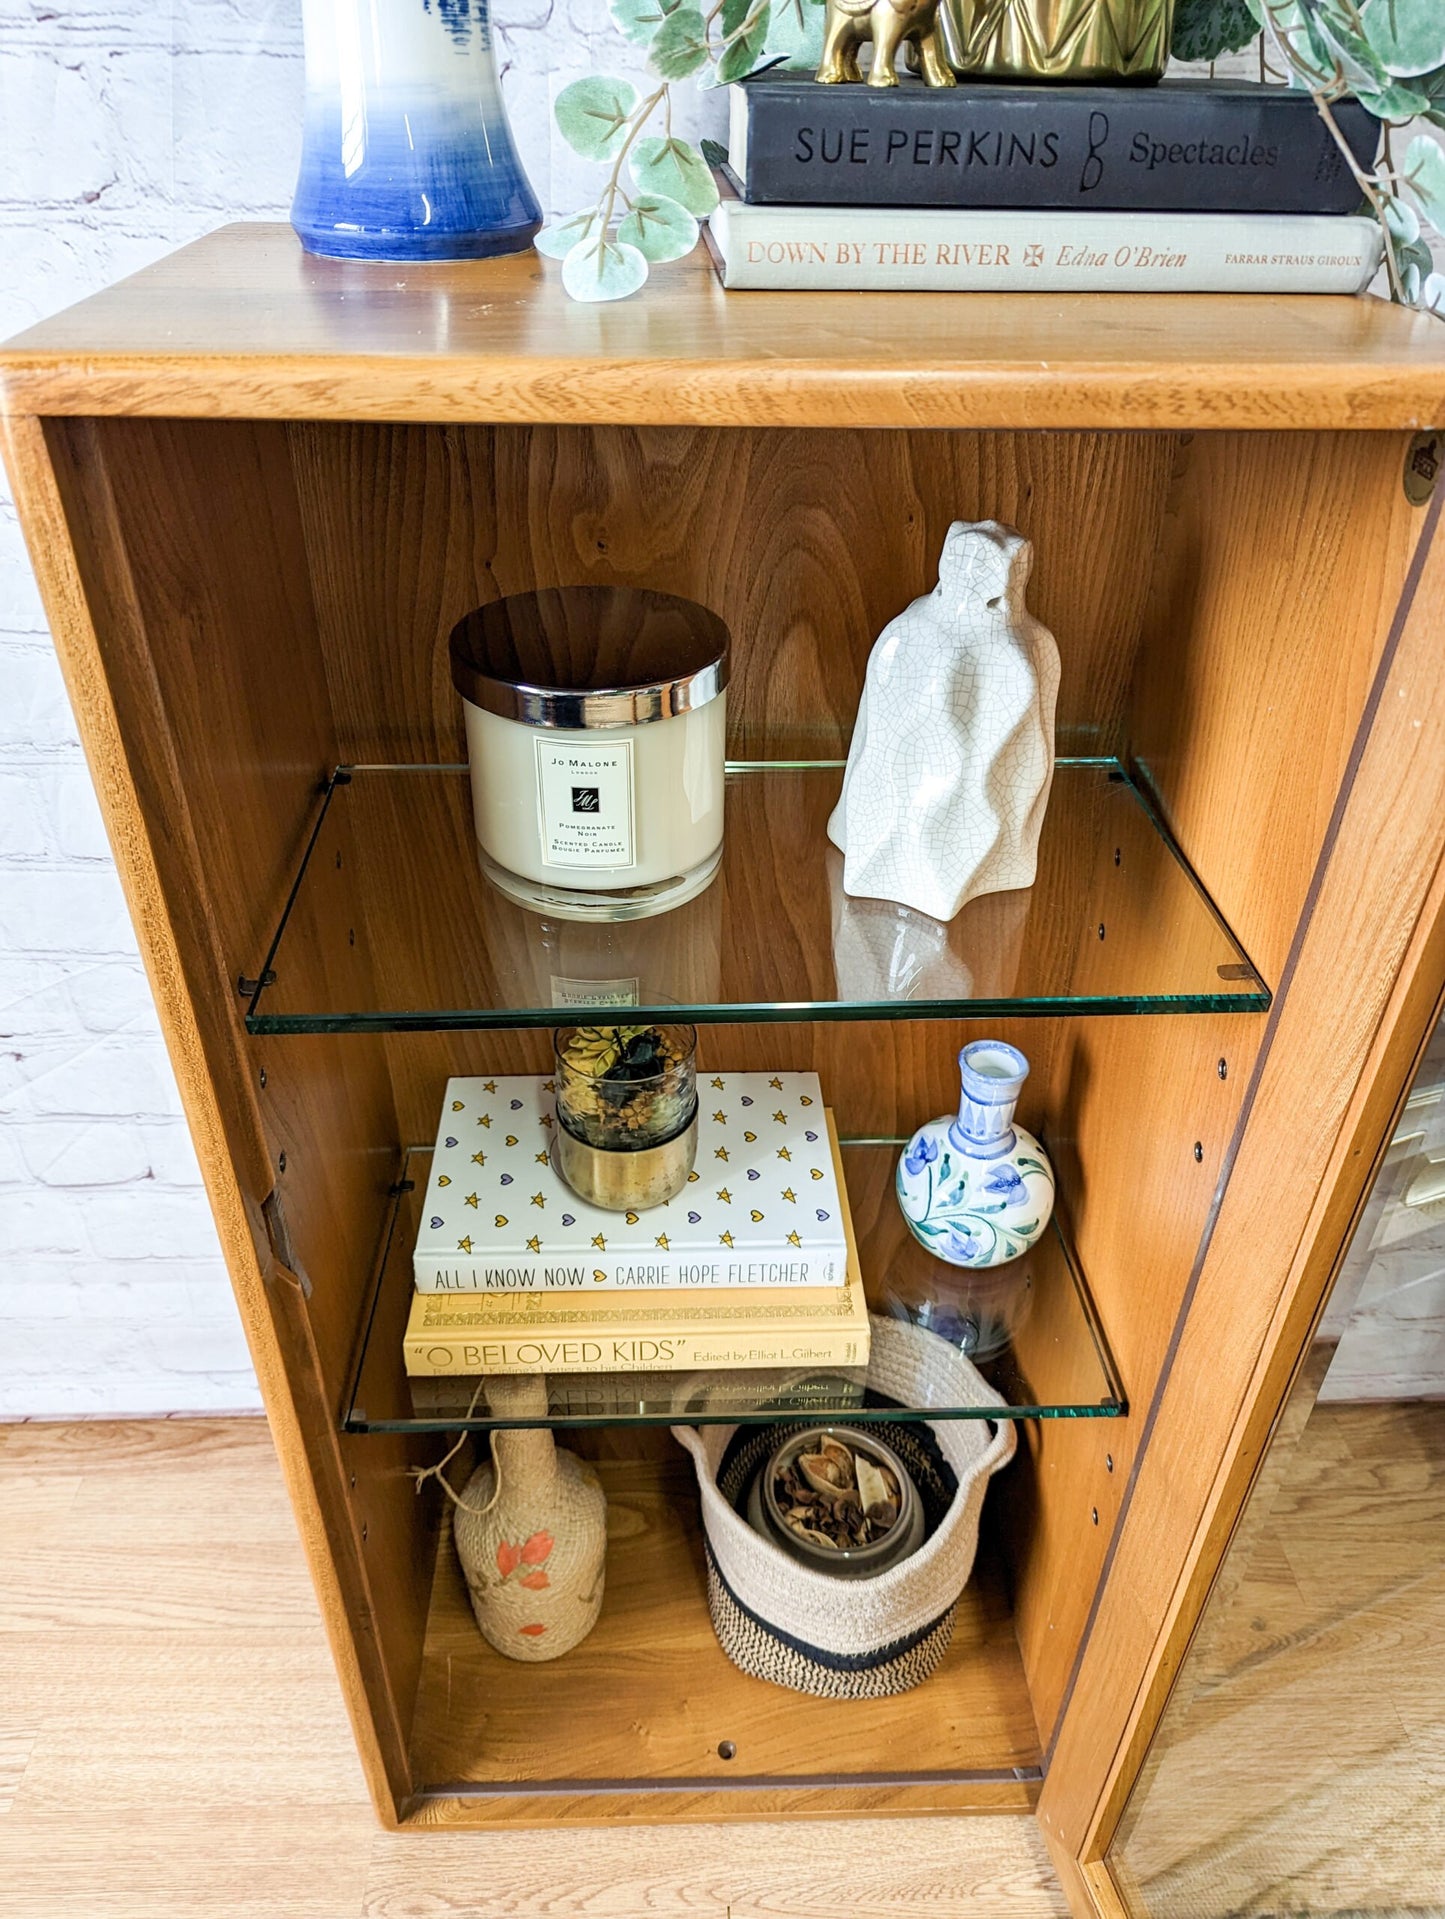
(596, 721)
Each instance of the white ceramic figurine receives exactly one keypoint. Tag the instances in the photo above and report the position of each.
(953, 752)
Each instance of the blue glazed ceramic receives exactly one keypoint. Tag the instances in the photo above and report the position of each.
(407, 154)
(976, 1189)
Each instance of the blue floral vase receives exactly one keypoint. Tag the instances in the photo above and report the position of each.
(976, 1189)
(407, 154)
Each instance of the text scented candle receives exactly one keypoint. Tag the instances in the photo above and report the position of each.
(596, 720)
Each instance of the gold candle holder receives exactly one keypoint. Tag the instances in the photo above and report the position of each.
(1070, 41)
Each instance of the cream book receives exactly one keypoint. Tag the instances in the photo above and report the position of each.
(762, 1207)
(682, 1329)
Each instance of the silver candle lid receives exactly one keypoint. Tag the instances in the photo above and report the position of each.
(589, 656)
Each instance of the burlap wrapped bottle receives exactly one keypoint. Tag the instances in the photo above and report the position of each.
(531, 1534)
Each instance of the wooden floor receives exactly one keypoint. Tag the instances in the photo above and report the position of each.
(1301, 1766)
(172, 1741)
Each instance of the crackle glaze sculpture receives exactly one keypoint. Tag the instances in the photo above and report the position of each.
(976, 1189)
(531, 1534)
(952, 755)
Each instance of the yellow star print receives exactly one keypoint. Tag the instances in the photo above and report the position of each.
(538, 1200)
(464, 1245)
(541, 1158)
(534, 1244)
(793, 1240)
(788, 1193)
(489, 1086)
(725, 1196)
(724, 1239)
(716, 1084)
(719, 1119)
(662, 1241)
(783, 1153)
(479, 1159)
(471, 1199)
(549, 1085)
(485, 1120)
(721, 1153)
(545, 1120)
(781, 1118)
(600, 1243)
(776, 1084)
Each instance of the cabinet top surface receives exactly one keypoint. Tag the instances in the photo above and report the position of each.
(243, 324)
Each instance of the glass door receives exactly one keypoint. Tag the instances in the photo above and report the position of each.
(1300, 1766)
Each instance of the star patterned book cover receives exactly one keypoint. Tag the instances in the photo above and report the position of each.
(763, 1205)
(688, 1329)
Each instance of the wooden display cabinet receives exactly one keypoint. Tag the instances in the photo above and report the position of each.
(259, 489)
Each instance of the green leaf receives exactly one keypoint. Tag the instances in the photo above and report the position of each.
(1407, 35)
(558, 237)
(1395, 103)
(603, 269)
(747, 39)
(1402, 220)
(674, 168)
(680, 47)
(714, 153)
(659, 228)
(1203, 29)
(592, 115)
(1424, 168)
(638, 20)
(795, 35)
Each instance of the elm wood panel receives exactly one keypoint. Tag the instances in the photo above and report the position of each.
(245, 324)
(649, 1695)
(1362, 984)
(1126, 1102)
(882, 1078)
(124, 613)
(806, 543)
(1279, 567)
(1233, 680)
(207, 1679)
(737, 1808)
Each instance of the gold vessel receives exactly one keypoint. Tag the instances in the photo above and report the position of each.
(1063, 40)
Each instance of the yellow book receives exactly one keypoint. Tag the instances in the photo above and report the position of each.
(613, 1332)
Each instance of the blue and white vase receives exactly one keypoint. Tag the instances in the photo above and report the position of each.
(407, 154)
(976, 1189)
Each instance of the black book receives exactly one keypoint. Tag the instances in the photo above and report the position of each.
(1184, 146)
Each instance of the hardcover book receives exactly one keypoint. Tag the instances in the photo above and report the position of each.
(682, 1330)
(1183, 146)
(763, 1205)
(851, 249)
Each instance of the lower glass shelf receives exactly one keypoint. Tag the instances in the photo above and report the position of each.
(1030, 1327)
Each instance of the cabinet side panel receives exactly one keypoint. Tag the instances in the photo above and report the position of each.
(176, 580)
(1360, 709)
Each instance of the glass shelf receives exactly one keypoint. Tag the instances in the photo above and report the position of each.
(391, 925)
(1030, 1327)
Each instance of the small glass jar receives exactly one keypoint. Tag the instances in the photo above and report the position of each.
(626, 1097)
(596, 724)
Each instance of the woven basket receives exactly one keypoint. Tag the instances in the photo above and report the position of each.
(855, 1638)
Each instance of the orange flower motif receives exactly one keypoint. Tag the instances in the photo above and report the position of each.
(532, 1632)
(508, 1558)
(534, 1582)
(537, 1549)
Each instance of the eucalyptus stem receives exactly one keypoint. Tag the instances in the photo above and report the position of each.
(640, 117)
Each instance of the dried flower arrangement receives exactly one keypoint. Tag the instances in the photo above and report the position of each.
(625, 1087)
(838, 1497)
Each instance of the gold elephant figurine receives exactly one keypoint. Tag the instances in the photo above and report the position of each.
(890, 25)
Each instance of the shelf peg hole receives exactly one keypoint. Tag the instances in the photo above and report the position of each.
(281, 1164)
(351, 936)
(1223, 1069)
(726, 1749)
(1108, 1463)
(1118, 856)
(338, 862)
(363, 1532)
(1199, 1151)
(1101, 929)
(1094, 1514)
(263, 1079)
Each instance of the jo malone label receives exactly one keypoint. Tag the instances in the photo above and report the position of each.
(584, 798)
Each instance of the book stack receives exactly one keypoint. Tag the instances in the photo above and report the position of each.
(1190, 186)
(752, 1266)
